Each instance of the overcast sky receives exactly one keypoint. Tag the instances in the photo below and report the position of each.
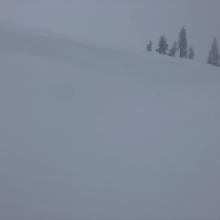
(125, 23)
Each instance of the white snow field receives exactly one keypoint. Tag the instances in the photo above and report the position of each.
(88, 132)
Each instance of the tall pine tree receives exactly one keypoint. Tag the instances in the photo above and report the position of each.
(183, 43)
(162, 45)
(214, 54)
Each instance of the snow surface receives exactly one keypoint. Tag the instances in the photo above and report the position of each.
(89, 132)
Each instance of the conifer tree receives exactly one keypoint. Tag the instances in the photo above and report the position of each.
(162, 45)
(173, 50)
(149, 46)
(214, 54)
(191, 53)
(183, 43)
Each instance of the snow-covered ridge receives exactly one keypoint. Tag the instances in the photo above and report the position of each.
(33, 41)
(8, 29)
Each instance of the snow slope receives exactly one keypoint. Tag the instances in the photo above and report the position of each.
(89, 132)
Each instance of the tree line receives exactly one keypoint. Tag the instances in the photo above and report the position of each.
(184, 51)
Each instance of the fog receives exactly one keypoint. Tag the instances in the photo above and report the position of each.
(122, 23)
(93, 132)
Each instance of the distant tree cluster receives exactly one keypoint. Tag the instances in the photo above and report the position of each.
(180, 46)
